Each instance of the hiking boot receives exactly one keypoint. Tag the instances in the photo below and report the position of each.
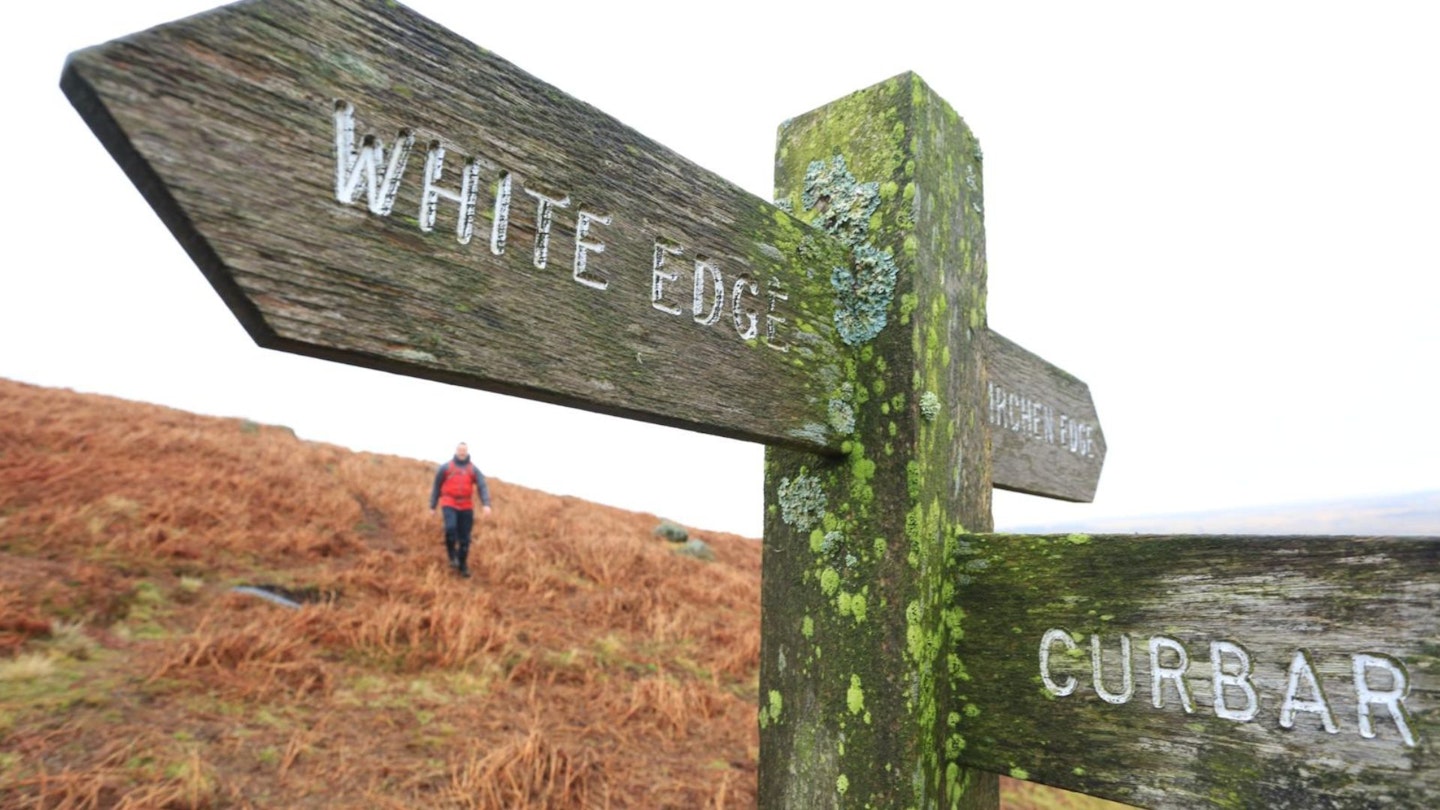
(464, 572)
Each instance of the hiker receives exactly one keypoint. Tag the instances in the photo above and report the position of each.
(454, 483)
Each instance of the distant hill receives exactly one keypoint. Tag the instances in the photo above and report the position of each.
(1395, 515)
(585, 665)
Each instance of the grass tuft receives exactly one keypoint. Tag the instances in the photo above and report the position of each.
(27, 667)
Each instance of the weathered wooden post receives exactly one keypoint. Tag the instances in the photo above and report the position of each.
(858, 681)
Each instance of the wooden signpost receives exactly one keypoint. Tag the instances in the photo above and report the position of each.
(362, 185)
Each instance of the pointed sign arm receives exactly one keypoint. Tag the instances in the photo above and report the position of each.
(476, 226)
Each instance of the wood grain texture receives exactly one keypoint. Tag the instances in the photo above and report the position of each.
(856, 692)
(1331, 597)
(226, 123)
(1045, 436)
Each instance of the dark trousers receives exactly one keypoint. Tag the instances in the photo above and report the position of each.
(458, 523)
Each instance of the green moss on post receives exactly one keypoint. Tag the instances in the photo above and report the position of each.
(869, 607)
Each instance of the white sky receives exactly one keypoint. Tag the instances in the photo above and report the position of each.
(1221, 216)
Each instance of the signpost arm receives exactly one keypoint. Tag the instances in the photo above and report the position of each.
(1263, 671)
(859, 696)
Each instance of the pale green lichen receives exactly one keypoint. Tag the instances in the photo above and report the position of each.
(845, 205)
(416, 356)
(842, 417)
(908, 302)
(855, 696)
(845, 209)
(842, 784)
(812, 432)
(802, 501)
(851, 604)
(862, 295)
(857, 607)
(777, 703)
(929, 405)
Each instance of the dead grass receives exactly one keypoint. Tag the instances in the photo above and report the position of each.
(584, 665)
(27, 667)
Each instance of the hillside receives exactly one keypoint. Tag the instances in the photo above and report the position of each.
(1417, 513)
(585, 664)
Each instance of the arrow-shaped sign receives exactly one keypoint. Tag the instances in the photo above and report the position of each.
(1044, 434)
(362, 185)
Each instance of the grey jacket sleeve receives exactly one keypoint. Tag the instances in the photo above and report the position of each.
(482, 486)
(435, 490)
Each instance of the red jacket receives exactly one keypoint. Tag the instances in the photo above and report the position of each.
(454, 482)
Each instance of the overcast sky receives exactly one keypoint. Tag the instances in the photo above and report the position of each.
(1221, 216)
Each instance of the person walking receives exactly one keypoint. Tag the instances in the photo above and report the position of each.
(455, 481)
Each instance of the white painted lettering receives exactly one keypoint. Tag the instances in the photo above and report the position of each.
(545, 206)
(500, 226)
(1392, 698)
(705, 269)
(659, 276)
(773, 321)
(747, 331)
(1051, 637)
(1037, 420)
(352, 165)
(1239, 680)
(1160, 673)
(584, 247)
(1301, 668)
(1127, 679)
(1379, 681)
(431, 194)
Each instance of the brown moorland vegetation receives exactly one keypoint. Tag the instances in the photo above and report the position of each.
(585, 664)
